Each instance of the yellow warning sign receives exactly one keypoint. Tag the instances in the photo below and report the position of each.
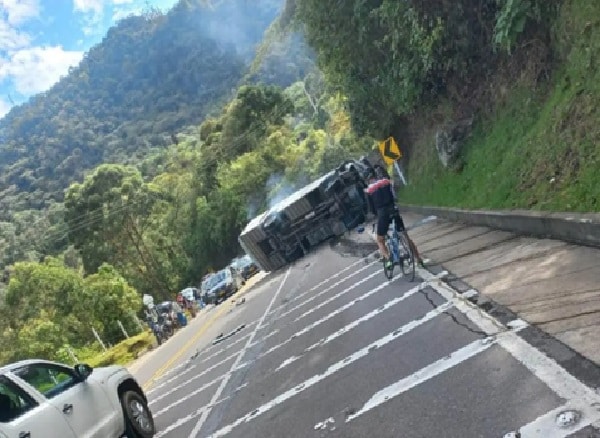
(390, 151)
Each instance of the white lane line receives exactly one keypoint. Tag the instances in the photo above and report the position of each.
(197, 376)
(165, 382)
(332, 314)
(324, 291)
(442, 308)
(545, 426)
(304, 331)
(559, 380)
(339, 294)
(564, 384)
(300, 333)
(169, 380)
(166, 379)
(423, 375)
(189, 395)
(334, 368)
(334, 276)
(182, 420)
(290, 360)
(225, 381)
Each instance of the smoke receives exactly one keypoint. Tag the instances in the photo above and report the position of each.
(278, 187)
(252, 209)
(240, 23)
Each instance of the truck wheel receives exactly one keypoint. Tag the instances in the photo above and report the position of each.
(138, 418)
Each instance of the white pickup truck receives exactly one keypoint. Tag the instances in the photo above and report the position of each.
(42, 399)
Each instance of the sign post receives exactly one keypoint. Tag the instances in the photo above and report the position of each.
(391, 153)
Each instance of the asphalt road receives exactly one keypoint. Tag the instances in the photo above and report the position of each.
(330, 348)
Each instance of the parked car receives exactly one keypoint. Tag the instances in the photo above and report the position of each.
(245, 266)
(190, 293)
(221, 285)
(47, 399)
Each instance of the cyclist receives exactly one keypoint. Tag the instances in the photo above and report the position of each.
(383, 204)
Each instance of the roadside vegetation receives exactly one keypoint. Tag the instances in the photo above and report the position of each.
(539, 147)
(512, 83)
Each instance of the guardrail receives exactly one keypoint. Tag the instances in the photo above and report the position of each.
(578, 228)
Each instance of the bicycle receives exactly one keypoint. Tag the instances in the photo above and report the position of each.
(394, 242)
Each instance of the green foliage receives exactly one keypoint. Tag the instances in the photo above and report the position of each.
(512, 18)
(122, 353)
(150, 78)
(389, 57)
(106, 217)
(108, 298)
(47, 306)
(540, 150)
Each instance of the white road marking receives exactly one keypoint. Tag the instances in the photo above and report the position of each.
(559, 380)
(206, 350)
(189, 395)
(166, 380)
(169, 380)
(225, 381)
(344, 292)
(290, 360)
(564, 384)
(331, 314)
(423, 375)
(323, 292)
(359, 321)
(334, 368)
(296, 335)
(195, 377)
(163, 383)
(305, 330)
(182, 420)
(334, 276)
(545, 426)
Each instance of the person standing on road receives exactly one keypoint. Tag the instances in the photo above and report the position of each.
(383, 203)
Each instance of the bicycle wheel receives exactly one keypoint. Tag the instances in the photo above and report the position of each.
(408, 259)
(389, 272)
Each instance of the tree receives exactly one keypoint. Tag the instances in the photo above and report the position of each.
(106, 218)
(106, 299)
(48, 306)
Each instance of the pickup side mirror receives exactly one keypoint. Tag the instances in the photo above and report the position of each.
(83, 371)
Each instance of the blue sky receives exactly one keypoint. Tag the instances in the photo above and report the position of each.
(41, 39)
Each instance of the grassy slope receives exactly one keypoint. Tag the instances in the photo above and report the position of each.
(541, 149)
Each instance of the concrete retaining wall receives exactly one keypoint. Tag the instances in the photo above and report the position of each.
(578, 228)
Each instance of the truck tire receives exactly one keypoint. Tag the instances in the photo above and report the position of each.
(138, 418)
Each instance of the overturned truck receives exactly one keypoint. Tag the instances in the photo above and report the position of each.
(325, 208)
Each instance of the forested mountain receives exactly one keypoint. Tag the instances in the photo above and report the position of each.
(151, 76)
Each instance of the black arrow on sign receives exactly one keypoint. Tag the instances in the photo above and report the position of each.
(387, 152)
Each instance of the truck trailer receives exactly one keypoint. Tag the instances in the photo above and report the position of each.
(327, 207)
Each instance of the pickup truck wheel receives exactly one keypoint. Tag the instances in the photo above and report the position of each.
(138, 418)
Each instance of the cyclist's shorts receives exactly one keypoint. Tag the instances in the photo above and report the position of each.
(384, 219)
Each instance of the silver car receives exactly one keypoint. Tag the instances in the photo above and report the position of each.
(42, 399)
